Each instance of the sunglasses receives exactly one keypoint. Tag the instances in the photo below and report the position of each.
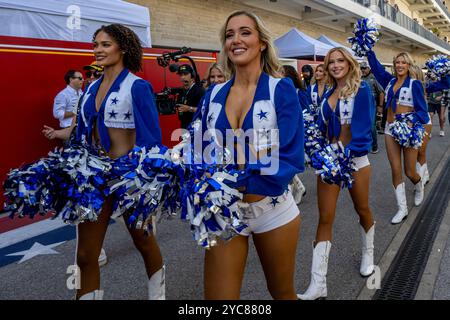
(96, 74)
(79, 78)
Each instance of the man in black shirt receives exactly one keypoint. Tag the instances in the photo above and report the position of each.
(192, 96)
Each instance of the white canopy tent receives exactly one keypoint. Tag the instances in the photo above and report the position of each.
(296, 44)
(71, 20)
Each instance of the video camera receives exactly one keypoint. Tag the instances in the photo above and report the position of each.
(168, 98)
(164, 59)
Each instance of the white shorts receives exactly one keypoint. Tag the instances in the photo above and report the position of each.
(268, 213)
(360, 162)
(387, 128)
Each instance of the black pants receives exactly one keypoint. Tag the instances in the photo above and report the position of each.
(374, 133)
(383, 122)
(185, 119)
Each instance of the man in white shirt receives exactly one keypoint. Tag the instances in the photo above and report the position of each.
(66, 101)
(65, 108)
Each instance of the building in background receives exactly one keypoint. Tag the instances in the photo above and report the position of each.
(416, 26)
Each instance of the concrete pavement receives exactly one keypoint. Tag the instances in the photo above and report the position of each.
(44, 276)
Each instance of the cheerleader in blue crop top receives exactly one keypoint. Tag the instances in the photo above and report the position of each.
(267, 110)
(317, 89)
(421, 164)
(430, 87)
(117, 113)
(345, 117)
(214, 75)
(405, 103)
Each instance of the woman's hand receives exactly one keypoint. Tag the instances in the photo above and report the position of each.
(49, 132)
(183, 108)
(62, 134)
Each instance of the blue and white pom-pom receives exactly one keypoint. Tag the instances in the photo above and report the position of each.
(86, 187)
(314, 111)
(438, 67)
(366, 35)
(30, 190)
(69, 182)
(314, 140)
(407, 131)
(213, 210)
(208, 198)
(142, 181)
(74, 183)
(334, 165)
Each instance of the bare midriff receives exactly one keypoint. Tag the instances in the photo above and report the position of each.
(345, 136)
(400, 109)
(248, 197)
(121, 141)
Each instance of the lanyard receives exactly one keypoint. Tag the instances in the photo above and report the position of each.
(187, 92)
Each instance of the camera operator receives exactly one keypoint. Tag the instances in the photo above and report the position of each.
(191, 97)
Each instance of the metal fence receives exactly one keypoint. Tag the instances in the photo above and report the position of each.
(394, 14)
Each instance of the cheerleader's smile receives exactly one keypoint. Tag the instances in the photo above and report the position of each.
(338, 65)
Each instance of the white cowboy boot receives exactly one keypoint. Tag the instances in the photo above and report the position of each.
(425, 174)
(93, 295)
(419, 169)
(318, 287)
(157, 285)
(422, 170)
(102, 258)
(367, 266)
(401, 202)
(418, 193)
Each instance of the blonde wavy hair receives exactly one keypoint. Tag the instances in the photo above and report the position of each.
(409, 60)
(314, 80)
(418, 73)
(269, 58)
(353, 78)
(219, 67)
(419, 76)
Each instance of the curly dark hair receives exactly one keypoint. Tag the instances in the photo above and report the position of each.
(128, 42)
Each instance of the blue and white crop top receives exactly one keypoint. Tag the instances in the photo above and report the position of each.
(410, 94)
(129, 104)
(305, 102)
(313, 95)
(357, 110)
(275, 106)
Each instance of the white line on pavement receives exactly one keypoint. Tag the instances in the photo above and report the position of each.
(26, 232)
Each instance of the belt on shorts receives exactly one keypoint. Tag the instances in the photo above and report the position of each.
(255, 209)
